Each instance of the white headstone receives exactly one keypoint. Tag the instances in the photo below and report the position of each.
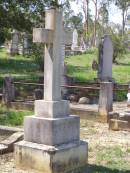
(75, 40)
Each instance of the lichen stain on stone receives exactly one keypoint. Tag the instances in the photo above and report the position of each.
(62, 166)
(59, 167)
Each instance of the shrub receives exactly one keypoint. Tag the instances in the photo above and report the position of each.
(119, 47)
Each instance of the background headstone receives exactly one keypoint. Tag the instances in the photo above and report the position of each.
(75, 40)
(8, 90)
(14, 43)
(25, 43)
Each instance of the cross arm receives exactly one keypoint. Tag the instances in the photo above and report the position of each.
(41, 35)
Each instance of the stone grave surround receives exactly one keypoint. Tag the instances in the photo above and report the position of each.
(51, 138)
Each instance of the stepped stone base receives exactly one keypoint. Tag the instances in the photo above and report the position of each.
(51, 159)
(51, 131)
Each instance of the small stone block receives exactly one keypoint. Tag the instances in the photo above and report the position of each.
(113, 115)
(9, 142)
(52, 109)
(115, 124)
(50, 159)
(51, 131)
(3, 149)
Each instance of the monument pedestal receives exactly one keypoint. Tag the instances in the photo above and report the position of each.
(51, 145)
(51, 159)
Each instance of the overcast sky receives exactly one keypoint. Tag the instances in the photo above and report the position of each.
(114, 12)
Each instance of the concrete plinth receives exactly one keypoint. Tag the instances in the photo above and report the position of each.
(51, 131)
(48, 159)
(52, 109)
(105, 99)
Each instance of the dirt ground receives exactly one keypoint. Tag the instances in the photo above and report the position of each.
(109, 151)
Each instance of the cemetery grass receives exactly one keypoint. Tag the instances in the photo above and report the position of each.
(80, 67)
(12, 117)
(19, 67)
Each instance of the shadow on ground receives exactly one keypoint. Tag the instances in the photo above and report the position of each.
(102, 169)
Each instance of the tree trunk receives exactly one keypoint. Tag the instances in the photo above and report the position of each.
(95, 24)
(123, 22)
(87, 16)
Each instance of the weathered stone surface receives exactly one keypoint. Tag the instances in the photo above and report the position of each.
(7, 145)
(8, 90)
(9, 142)
(52, 125)
(38, 94)
(52, 109)
(50, 159)
(3, 149)
(51, 131)
(105, 59)
(113, 115)
(9, 130)
(83, 100)
(14, 43)
(105, 99)
(115, 124)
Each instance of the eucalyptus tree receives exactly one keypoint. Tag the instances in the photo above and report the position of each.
(124, 5)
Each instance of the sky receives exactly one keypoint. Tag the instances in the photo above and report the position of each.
(114, 12)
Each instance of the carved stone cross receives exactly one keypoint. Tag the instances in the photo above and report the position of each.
(54, 36)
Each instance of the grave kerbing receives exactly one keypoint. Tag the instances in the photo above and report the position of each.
(51, 137)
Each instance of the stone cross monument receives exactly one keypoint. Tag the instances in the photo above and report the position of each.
(51, 140)
(105, 59)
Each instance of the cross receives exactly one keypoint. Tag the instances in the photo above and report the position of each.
(54, 36)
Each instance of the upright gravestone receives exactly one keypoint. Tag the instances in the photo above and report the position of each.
(83, 44)
(75, 40)
(14, 43)
(51, 140)
(105, 59)
(105, 76)
(25, 43)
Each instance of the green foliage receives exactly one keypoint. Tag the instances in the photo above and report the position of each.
(37, 54)
(21, 68)
(121, 95)
(119, 46)
(12, 117)
(22, 15)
